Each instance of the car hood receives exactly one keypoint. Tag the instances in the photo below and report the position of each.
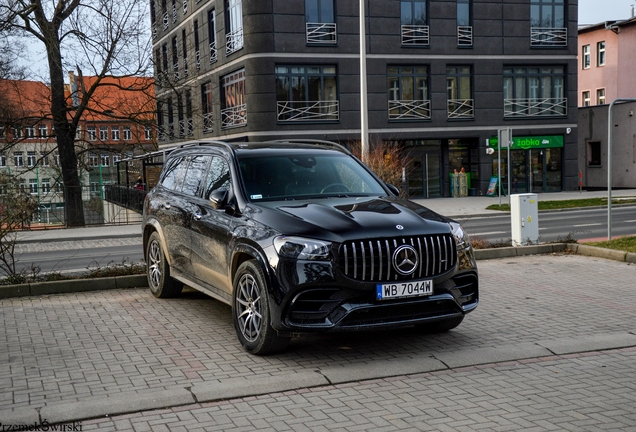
(341, 219)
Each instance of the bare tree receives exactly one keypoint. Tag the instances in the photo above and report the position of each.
(105, 38)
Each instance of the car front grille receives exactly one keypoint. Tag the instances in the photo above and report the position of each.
(371, 260)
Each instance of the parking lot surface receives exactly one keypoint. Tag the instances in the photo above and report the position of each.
(551, 347)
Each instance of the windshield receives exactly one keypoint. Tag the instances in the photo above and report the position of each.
(305, 175)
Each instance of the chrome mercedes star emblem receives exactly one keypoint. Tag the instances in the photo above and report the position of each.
(405, 260)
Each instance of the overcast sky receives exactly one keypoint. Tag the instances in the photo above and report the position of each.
(597, 11)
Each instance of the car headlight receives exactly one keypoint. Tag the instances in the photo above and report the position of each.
(461, 237)
(301, 248)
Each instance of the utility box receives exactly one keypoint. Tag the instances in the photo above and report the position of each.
(524, 214)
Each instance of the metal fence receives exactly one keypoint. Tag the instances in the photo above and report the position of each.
(102, 205)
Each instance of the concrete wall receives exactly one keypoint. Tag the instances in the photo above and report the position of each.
(593, 127)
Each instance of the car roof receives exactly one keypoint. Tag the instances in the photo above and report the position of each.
(259, 148)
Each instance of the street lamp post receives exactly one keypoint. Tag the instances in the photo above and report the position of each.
(364, 118)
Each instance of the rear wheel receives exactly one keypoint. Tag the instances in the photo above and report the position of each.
(440, 326)
(158, 271)
(251, 313)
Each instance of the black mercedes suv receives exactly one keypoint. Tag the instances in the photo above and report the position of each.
(301, 236)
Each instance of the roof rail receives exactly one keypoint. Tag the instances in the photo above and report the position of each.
(197, 143)
(313, 141)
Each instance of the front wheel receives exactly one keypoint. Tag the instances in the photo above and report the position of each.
(251, 313)
(158, 271)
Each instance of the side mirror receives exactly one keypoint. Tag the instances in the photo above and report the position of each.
(219, 198)
(394, 190)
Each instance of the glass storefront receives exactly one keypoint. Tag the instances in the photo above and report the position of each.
(535, 164)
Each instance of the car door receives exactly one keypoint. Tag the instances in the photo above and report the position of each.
(212, 231)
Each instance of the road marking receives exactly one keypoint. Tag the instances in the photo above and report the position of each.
(631, 221)
(585, 225)
(489, 233)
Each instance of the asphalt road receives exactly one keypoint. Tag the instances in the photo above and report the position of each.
(580, 224)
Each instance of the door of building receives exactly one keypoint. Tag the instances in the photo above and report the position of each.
(425, 174)
(537, 168)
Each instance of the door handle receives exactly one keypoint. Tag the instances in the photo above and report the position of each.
(166, 206)
(197, 215)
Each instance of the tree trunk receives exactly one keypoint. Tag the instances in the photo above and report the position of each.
(65, 134)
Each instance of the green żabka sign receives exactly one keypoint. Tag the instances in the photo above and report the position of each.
(530, 142)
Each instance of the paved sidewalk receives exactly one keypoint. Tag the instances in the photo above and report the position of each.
(551, 347)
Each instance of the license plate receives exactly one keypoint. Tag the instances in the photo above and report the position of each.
(404, 289)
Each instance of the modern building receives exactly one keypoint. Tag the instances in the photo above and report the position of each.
(443, 77)
(606, 67)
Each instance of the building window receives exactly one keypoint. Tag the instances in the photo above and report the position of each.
(464, 23)
(594, 153)
(233, 26)
(320, 22)
(103, 133)
(233, 108)
(115, 133)
(586, 57)
(197, 52)
(414, 22)
(91, 131)
(18, 159)
(408, 93)
(116, 158)
(42, 131)
(92, 160)
(170, 118)
(33, 186)
(180, 117)
(547, 23)
(161, 133)
(30, 131)
(306, 93)
(460, 103)
(127, 133)
(212, 36)
(175, 58)
(184, 49)
(17, 133)
(585, 97)
(164, 57)
(105, 160)
(207, 104)
(46, 185)
(534, 91)
(32, 159)
(147, 133)
(600, 53)
(188, 113)
(44, 159)
(600, 96)
(3, 160)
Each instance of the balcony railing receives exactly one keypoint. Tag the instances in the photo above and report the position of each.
(197, 59)
(461, 108)
(154, 31)
(234, 116)
(182, 128)
(464, 35)
(535, 107)
(291, 111)
(544, 36)
(233, 41)
(321, 33)
(166, 21)
(185, 66)
(185, 7)
(189, 126)
(213, 53)
(415, 35)
(208, 123)
(174, 13)
(175, 70)
(409, 110)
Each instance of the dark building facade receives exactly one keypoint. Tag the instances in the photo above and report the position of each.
(443, 77)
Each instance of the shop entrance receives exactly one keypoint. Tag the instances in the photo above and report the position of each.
(425, 178)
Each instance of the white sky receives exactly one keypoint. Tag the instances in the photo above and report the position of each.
(598, 11)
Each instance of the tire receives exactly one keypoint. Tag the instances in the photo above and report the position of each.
(158, 271)
(440, 326)
(251, 313)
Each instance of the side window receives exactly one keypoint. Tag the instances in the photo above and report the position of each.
(195, 174)
(218, 176)
(171, 173)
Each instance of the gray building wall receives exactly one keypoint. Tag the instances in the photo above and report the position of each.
(593, 121)
(274, 34)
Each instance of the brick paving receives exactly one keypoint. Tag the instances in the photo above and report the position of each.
(580, 392)
(65, 348)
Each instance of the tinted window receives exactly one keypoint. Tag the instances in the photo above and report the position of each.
(171, 173)
(195, 173)
(218, 176)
